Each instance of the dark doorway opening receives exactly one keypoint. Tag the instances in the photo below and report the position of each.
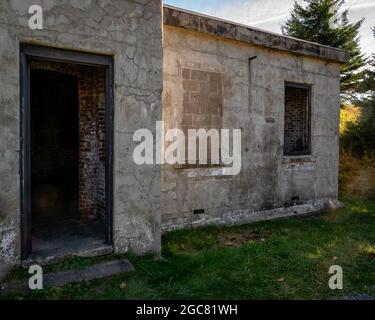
(54, 147)
(66, 153)
(58, 226)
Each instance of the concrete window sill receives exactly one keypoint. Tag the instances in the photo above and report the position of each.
(299, 159)
(204, 173)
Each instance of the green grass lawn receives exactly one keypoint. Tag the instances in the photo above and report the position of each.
(281, 259)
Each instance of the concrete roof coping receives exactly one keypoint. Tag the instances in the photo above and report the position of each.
(193, 21)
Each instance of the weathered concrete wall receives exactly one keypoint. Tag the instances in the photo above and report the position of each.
(193, 21)
(131, 31)
(253, 100)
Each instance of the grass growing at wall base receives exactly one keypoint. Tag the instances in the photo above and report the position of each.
(282, 259)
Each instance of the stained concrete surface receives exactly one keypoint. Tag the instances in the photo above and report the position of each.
(66, 237)
(253, 99)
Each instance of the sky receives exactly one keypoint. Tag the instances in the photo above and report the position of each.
(271, 14)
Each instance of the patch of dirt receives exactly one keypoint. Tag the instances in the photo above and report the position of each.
(337, 216)
(226, 238)
(362, 184)
(238, 239)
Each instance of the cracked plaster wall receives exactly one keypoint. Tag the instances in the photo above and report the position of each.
(131, 31)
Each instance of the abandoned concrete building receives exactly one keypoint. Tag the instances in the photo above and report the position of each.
(73, 93)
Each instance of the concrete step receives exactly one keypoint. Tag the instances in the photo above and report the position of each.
(96, 251)
(99, 271)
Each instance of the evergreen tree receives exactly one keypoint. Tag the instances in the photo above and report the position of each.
(368, 85)
(321, 21)
(360, 137)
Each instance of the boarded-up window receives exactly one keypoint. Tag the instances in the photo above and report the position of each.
(297, 120)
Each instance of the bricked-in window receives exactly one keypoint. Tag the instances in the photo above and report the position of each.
(297, 120)
(202, 103)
